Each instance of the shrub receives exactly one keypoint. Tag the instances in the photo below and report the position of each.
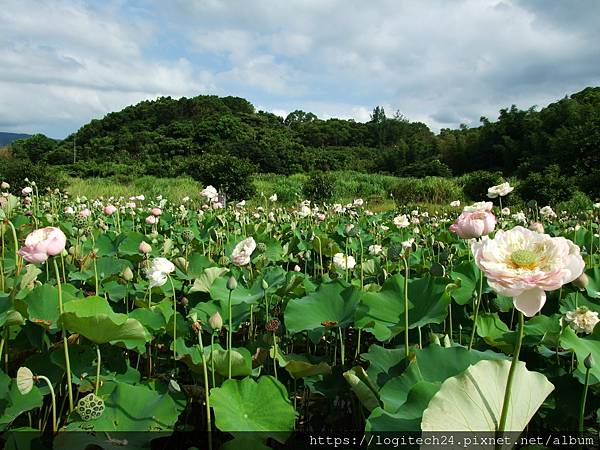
(578, 203)
(288, 189)
(14, 172)
(476, 184)
(227, 173)
(434, 190)
(319, 187)
(548, 187)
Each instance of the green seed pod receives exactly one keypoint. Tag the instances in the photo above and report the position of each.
(90, 407)
(395, 252)
(187, 236)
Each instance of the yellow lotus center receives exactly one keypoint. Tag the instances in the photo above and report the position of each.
(524, 259)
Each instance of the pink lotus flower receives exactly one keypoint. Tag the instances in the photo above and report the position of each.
(85, 213)
(151, 220)
(156, 212)
(243, 251)
(109, 209)
(42, 243)
(474, 222)
(523, 264)
(144, 247)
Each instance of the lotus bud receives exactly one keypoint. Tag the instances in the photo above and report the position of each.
(127, 274)
(581, 281)
(265, 285)
(537, 227)
(588, 362)
(182, 263)
(231, 283)
(216, 321)
(144, 247)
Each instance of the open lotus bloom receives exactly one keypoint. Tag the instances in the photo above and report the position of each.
(242, 252)
(42, 243)
(524, 264)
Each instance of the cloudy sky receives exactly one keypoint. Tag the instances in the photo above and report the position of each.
(442, 62)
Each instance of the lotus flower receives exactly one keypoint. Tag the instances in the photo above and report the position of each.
(42, 243)
(242, 252)
(344, 262)
(523, 264)
(475, 221)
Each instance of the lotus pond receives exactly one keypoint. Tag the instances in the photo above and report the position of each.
(244, 327)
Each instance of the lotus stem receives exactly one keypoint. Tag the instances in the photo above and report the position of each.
(509, 381)
(406, 345)
(98, 362)
(43, 378)
(64, 335)
(275, 354)
(212, 361)
(206, 388)
(476, 310)
(584, 397)
(174, 321)
(229, 334)
(342, 349)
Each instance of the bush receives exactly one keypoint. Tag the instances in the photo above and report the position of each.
(288, 189)
(577, 204)
(229, 174)
(320, 187)
(476, 184)
(14, 172)
(426, 190)
(425, 168)
(548, 187)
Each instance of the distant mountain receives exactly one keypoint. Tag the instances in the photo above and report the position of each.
(7, 138)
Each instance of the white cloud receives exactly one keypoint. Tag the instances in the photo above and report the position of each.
(439, 62)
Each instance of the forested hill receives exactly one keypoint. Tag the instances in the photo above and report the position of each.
(166, 137)
(7, 138)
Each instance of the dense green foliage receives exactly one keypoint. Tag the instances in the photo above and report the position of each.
(168, 137)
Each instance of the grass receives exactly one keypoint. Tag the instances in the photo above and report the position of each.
(373, 188)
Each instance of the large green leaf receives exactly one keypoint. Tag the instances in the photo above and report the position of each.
(299, 366)
(332, 303)
(13, 403)
(133, 408)
(205, 279)
(583, 346)
(246, 405)
(363, 387)
(219, 291)
(382, 313)
(217, 357)
(94, 318)
(472, 401)
(467, 277)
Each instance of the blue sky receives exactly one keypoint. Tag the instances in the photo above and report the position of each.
(437, 61)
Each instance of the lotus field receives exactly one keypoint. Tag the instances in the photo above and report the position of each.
(253, 326)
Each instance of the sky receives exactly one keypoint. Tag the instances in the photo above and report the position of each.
(442, 62)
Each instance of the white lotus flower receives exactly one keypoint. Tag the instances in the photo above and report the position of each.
(243, 251)
(401, 221)
(479, 206)
(500, 190)
(582, 320)
(523, 264)
(375, 249)
(344, 262)
(273, 198)
(455, 203)
(210, 193)
(156, 278)
(162, 265)
(547, 212)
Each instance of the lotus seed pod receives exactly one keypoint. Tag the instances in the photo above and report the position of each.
(187, 236)
(272, 325)
(224, 260)
(231, 283)
(581, 281)
(395, 252)
(261, 247)
(24, 380)
(588, 362)
(216, 321)
(90, 407)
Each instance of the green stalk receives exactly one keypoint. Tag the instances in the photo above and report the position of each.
(342, 349)
(206, 389)
(174, 322)
(16, 244)
(43, 378)
(583, 399)
(509, 381)
(229, 333)
(99, 361)
(476, 310)
(64, 335)
(275, 355)
(406, 348)
(212, 360)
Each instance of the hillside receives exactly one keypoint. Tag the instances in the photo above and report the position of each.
(7, 138)
(168, 137)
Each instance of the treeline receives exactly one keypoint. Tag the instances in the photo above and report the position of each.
(204, 134)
